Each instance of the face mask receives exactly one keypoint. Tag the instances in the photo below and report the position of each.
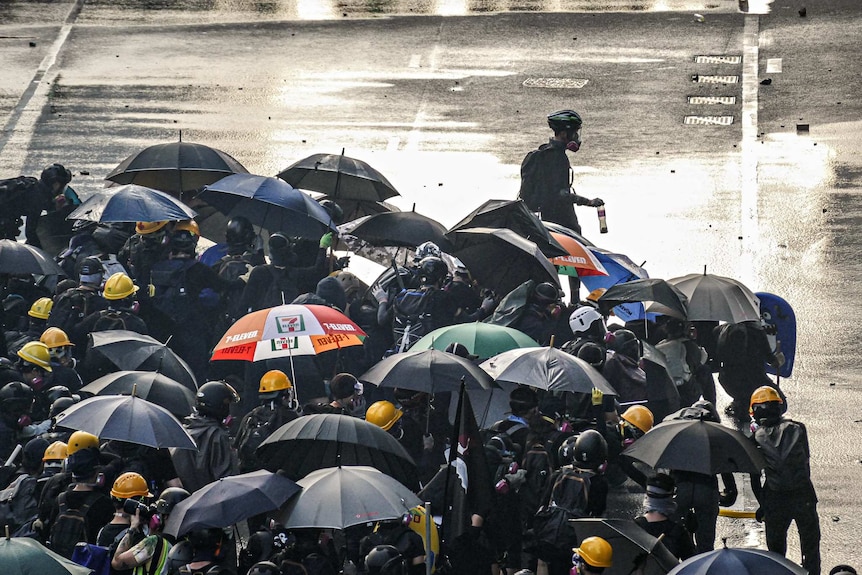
(24, 421)
(574, 141)
(37, 382)
(577, 565)
(356, 405)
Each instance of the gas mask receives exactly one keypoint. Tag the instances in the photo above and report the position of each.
(574, 141)
(578, 565)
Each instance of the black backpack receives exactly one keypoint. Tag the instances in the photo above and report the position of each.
(412, 316)
(70, 527)
(282, 290)
(732, 346)
(172, 296)
(259, 425)
(539, 465)
(785, 448)
(18, 503)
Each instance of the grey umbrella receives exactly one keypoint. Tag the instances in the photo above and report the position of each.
(132, 203)
(717, 298)
(546, 368)
(154, 387)
(20, 258)
(339, 177)
(340, 497)
(635, 550)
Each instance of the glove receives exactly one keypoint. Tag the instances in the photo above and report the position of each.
(727, 498)
(326, 240)
(380, 294)
(488, 304)
(517, 479)
(428, 442)
(596, 202)
(597, 396)
(759, 514)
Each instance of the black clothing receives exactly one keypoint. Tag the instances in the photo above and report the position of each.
(536, 322)
(546, 180)
(71, 308)
(108, 319)
(138, 256)
(676, 538)
(214, 458)
(270, 286)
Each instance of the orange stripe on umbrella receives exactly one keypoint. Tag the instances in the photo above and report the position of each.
(578, 258)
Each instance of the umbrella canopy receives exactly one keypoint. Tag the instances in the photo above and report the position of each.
(739, 562)
(129, 350)
(229, 500)
(697, 446)
(430, 371)
(481, 339)
(19, 258)
(620, 269)
(176, 167)
(635, 550)
(501, 259)
(286, 330)
(323, 440)
(154, 387)
(26, 556)
(662, 394)
(403, 229)
(132, 203)
(717, 298)
(340, 497)
(578, 260)
(271, 204)
(127, 418)
(339, 177)
(354, 209)
(560, 229)
(513, 215)
(662, 296)
(546, 368)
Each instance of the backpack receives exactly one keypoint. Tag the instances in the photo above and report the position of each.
(14, 192)
(18, 503)
(70, 527)
(282, 290)
(109, 320)
(529, 191)
(732, 345)
(539, 465)
(171, 292)
(512, 306)
(412, 316)
(259, 425)
(95, 557)
(231, 268)
(111, 266)
(785, 448)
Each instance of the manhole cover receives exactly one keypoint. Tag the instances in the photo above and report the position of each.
(707, 79)
(555, 82)
(726, 100)
(718, 59)
(708, 120)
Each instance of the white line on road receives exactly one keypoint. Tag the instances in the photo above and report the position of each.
(748, 176)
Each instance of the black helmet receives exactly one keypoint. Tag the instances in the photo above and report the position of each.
(546, 293)
(522, 399)
(627, 343)
(16, 396)
(179, 555)
(565, 120)
(503, 444)
(183, 241)
(333, 209)
(239, 232)
(343, 385)
(593, 354)
(214, 399)
(432, 270)
(591, 450)
(385, 560)
(566, 451)
(55, 392)
(56, 173)
(169, 497)
(280, 249)
(59, 405)
(90, 271)
(264, 568)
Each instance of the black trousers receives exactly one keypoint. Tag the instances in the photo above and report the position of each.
(779, 510)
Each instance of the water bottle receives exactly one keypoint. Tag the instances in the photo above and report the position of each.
(603, 222)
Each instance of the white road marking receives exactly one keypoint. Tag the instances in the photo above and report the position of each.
(773, 66)
(415, 61)
(749, 150)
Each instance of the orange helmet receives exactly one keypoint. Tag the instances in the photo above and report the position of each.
(54, 337)
(146, 228)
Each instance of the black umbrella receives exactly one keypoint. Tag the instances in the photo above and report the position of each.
(127, 418)
(635, 550)
(176, 167)
(149, 385)
(717, 298)
(18, 258)
(516, 216)
(229, 500)
(323, 440)
(546, 368)
(340, 497)
(130, 350)
(501, 259)
(560, 229)
(739, 562)
(429, 371)
(403, 229)
(269, 203)
(662, 393)
(132, 203)
(354, 209)
(339, 177)
(697, 446)
(662, 296)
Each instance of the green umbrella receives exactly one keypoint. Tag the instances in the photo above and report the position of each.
(25, 556)
(482, 339)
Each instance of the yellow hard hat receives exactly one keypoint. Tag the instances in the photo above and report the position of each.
(41, 308)
(54, 337)
(37, 353)
(639, 416)
(81, 440)
(190, 226)
(765, 394)
(55, 452)
(383, 414)
(145, 228)
(274, 380)
(130, 484)
(595, 552)
(119, 286)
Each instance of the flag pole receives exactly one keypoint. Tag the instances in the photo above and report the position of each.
(453, 454)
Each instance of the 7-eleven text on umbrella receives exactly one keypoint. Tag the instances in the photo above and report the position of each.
(290, 324)
(241, 337)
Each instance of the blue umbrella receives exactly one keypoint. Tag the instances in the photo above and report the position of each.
(132, 203)
(269, 203)
(620, 269)
(739, 562)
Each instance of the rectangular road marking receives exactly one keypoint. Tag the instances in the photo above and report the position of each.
(726, 100)
(773, 65)
(718, 59)
(571, 83)
(708, 120)
(711, 79)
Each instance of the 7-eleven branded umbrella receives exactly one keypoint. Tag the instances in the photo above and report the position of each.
(579, 261)
(288, 330)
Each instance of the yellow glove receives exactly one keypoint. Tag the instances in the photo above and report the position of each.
(597, 396)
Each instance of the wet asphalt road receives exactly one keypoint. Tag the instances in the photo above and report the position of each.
(445, 98)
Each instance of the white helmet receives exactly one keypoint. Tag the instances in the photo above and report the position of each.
(583, 318)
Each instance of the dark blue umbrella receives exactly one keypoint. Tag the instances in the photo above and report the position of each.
(229, 500)
(738, 562)
(269, 203)
(620, 269)
(132, 203)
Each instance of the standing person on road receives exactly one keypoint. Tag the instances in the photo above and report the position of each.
(787, 494)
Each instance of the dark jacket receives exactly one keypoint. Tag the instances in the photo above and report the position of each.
(214, 458)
